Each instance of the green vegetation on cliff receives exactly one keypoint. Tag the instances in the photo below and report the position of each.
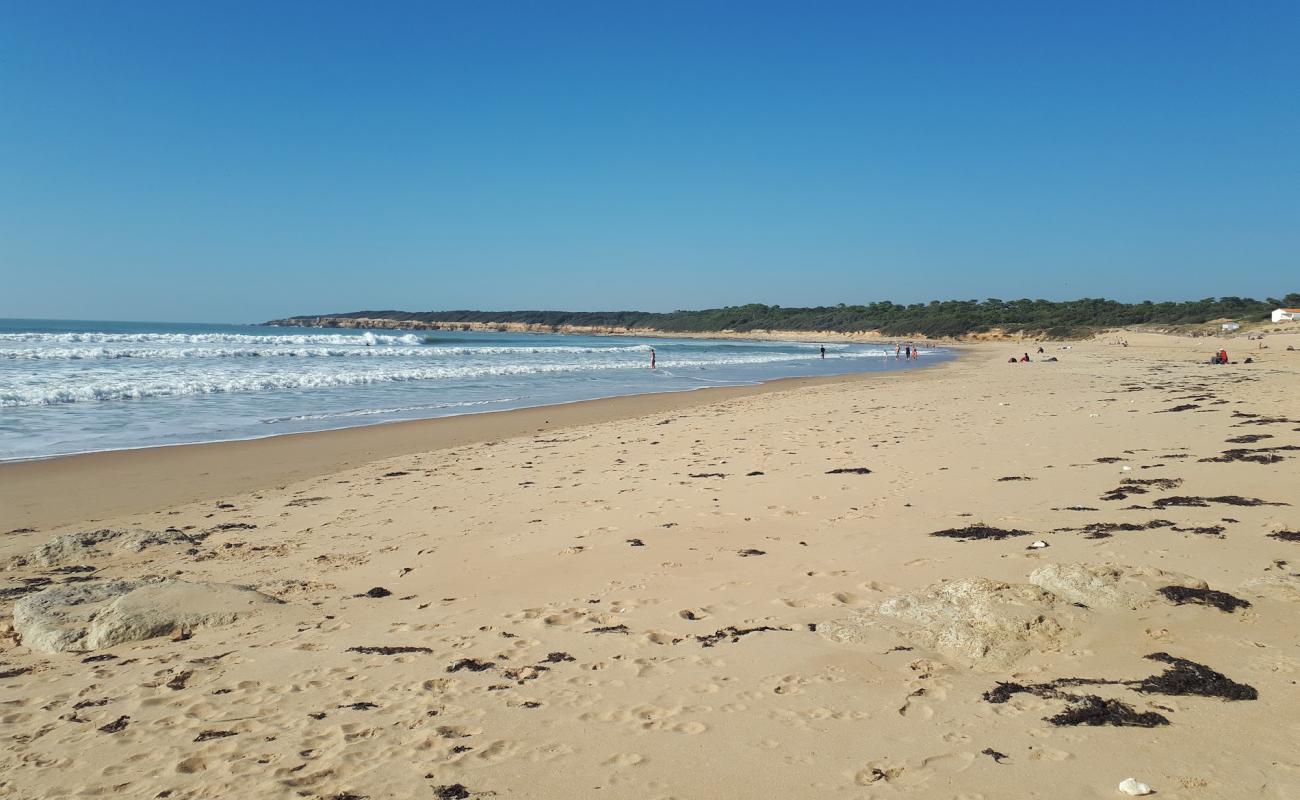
(936, 318)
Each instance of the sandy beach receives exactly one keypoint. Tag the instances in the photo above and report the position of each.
(979, 580)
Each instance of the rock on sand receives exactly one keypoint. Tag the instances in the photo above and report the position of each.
(89, 617)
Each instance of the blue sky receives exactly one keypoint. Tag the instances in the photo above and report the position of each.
(232, 161)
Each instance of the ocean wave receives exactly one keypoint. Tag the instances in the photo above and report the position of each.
(390, 351)
(47, 390)
(361, 339)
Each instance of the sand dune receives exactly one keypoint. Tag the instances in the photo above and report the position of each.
(737, 596)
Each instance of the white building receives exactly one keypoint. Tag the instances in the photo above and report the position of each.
(1286, 315)
(1231, 326)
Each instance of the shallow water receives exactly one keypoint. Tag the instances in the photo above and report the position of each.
(76, 386)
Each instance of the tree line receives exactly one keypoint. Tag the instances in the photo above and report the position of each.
(936, 318)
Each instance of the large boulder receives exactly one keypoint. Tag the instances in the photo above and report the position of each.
(83, 545)
(985, 623)
(91, 616)
(1108, 586)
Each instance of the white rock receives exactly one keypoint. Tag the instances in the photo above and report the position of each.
(1134, 788)
(1107, 585)
(91, 616)
(85, 545)
(1038, 545)
(986, 623)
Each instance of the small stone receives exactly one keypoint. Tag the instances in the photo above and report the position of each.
(1134, 787)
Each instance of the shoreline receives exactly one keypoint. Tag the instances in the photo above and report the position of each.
(114, 482)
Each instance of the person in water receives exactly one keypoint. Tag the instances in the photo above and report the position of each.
(652, 358)
(1024, 359)
(823, 351)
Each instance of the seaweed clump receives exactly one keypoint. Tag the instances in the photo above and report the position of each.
(971, 532)
(1189, 678)
(1183, 678)
(1104, 530)
(1286, 536)
(1203, 502)
(733, 633)
(1182, 595)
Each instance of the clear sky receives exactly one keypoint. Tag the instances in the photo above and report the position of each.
(236, 161)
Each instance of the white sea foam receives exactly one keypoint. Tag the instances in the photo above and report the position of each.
(361, 339)
(391, 351)
(155, 382)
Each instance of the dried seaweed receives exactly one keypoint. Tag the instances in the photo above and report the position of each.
(207, 735)
(471, 664)
(849, 471)
(1203, 502)
(1286, 536)
(1190, 678)
(972, 532)
(610, 629)
(389, 651)
(1104, 530)
(733, 633)
(1184, 677)
(1181, 595)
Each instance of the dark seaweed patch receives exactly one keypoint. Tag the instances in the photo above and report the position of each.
(15, 672)
(471, 664)
(1249, 438)
(707, 475)
(971, 532)
(993, 754)
(116, 725)
(749, 551)
(1183, 678)
(1286, 536)
(388, 651)
(557, 657)
(1014, 478)
(610, 629)
(1189, 678)
(361, 706)
(1203, 502)
(849, 471)
(1090, 709)
(1258, 455)
(1180, 595)
(1175, 409)
(207, 735)
(455, 791)
(1103, 530)
(1204, 530)
(636, 542)
(733, 633)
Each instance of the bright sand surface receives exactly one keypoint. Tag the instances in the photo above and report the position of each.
(582, 557)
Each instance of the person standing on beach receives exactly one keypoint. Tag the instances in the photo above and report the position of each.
(652, 358)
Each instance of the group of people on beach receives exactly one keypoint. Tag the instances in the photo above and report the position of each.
(908, 351)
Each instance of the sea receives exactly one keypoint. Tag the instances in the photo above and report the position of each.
(82, 386)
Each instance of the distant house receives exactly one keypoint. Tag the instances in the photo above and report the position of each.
(1231, 326)
(1286, 315)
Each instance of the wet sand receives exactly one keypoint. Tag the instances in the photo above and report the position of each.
(733, 593)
